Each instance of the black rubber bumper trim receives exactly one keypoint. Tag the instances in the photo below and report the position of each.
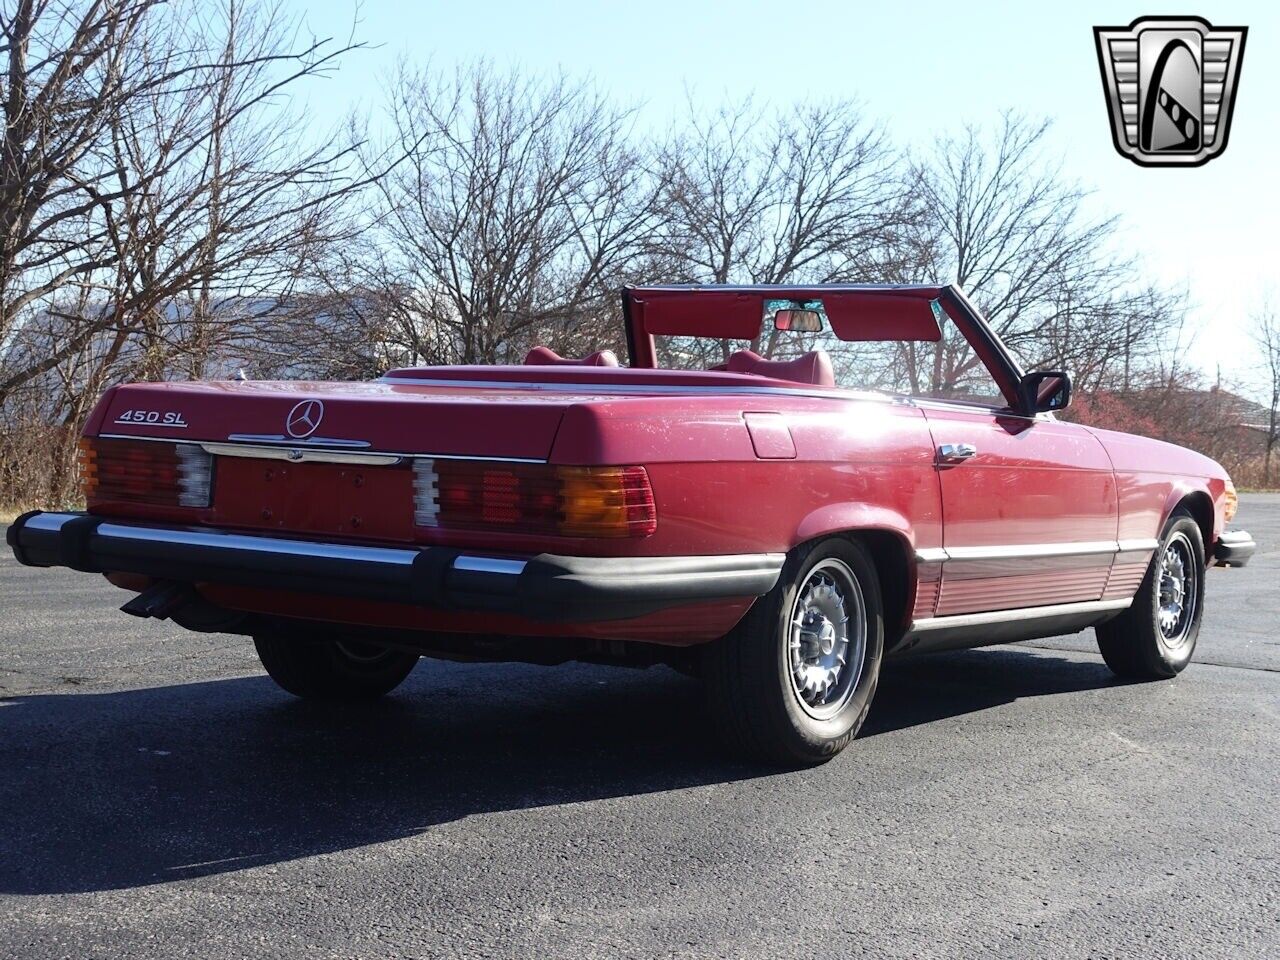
(1234, 548)
(11, 538)
(547, 587)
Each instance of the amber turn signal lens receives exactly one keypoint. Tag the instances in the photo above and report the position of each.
(533, 498)
(1230, 502)
(606, 502)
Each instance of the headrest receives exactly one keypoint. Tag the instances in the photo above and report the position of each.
(546, 357)
(814, 367)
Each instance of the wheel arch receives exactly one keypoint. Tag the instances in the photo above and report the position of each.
(893, 558)
(1200, 506)
(889, 538)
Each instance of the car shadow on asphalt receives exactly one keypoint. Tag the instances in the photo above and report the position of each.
(126, 789)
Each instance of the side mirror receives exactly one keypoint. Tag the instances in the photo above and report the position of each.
(1046, 390)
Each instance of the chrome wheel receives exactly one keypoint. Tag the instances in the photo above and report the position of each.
(827, 639)
(1178, 591)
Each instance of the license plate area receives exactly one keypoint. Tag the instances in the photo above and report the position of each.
(374, 502)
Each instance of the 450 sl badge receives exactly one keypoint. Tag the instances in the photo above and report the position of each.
(154, 418)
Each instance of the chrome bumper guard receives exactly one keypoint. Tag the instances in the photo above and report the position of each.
(542, 586)
(1233, 549)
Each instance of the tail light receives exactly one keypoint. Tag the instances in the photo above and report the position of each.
(145, 471)
(533, 498)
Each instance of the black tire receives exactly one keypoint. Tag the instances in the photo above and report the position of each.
(751, 683)
(1136, 645)
(332, 669)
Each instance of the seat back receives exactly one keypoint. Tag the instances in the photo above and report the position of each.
(812, 368)
(546, 357)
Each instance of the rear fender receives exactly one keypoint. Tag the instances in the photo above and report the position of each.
(835, 518)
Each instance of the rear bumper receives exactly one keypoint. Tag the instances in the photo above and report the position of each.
(542, 586)
(1233, 549)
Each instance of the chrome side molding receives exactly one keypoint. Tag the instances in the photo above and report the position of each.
(1018, 614)
(1024, 551)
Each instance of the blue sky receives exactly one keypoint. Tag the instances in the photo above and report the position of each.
(920, 68)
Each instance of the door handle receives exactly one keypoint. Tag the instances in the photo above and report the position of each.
(953, 452)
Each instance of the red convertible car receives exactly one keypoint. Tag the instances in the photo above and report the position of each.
(785, 486)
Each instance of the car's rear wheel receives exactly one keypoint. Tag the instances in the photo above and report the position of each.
(333, 669)
(792, 683)
(1155, 638)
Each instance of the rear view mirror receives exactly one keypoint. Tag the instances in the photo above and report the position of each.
(795, 316)
(1046, 390)
(800, 321)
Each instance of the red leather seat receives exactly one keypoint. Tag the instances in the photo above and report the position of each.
(546, 357)
(814, 367)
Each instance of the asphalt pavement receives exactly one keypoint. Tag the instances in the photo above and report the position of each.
(159, 797)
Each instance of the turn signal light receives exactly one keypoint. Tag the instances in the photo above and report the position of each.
(534, 498)
(1230, 502)
(145, 471)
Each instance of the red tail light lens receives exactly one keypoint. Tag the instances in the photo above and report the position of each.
(534, 498)
(145, 471)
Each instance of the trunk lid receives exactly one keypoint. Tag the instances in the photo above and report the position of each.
(382, 415)
(511, 411)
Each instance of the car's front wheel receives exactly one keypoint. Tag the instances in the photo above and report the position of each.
(333, 669)
(792, 683)
(1155, 637)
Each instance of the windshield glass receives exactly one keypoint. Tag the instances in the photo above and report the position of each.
(946, 370)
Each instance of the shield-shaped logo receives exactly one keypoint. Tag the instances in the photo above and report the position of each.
(1170, 84)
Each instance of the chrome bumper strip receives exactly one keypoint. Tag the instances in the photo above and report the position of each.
(240, 543)
(498, 565)
(542, 586)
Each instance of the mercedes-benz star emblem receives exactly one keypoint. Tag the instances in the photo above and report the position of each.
(304, 419)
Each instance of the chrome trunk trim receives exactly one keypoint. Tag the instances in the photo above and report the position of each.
(300, 454)
(238, 445)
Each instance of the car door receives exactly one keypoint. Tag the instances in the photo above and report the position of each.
(1029, 509)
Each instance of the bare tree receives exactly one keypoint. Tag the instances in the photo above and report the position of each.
(159, 205)
(518, 211)
(1266, 335)
(1006, 226)
(142, 166)
(810, 194)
